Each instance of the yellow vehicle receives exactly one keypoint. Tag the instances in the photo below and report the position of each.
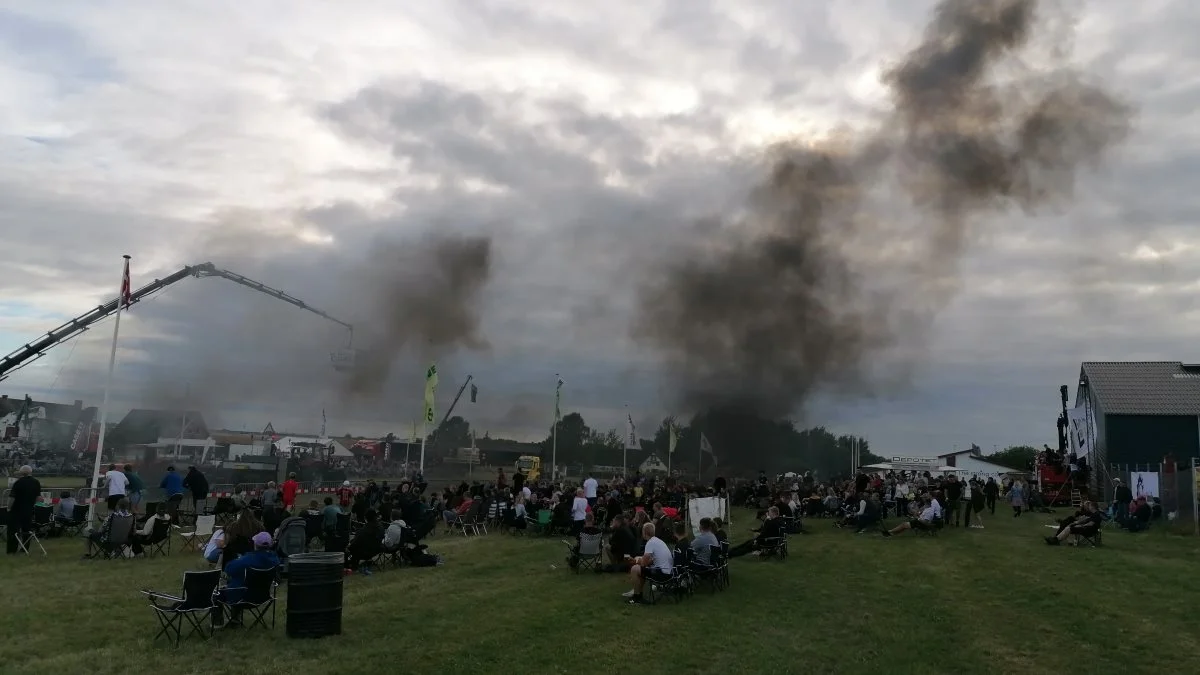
(531, 466)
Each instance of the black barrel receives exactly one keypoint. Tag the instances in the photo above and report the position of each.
(314, 594)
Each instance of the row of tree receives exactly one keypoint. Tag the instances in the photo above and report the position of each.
(741, 443)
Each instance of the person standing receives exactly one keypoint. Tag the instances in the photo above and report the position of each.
(990, 492)
(589, 490)
(117, 483)
(288, 492)
(579, 511)
(1016, 497)
(136, 489)
(22, 496)
(172, 486)
(198, 484)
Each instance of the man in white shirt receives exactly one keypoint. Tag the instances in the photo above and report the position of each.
(926, 521)
(579, 509)
(116, 482)
(589, 490)
(934, 506)
(656, 564)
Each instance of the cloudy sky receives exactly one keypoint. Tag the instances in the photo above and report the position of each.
(310, 145)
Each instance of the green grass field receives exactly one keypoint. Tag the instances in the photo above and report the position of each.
(996, 600)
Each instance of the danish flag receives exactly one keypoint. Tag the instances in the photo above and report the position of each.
(126, 293)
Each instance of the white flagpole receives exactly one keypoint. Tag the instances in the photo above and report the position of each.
(628, 439)
(554, 430)
(423, 435)
(670, 450)
(112, 364)
(407, 450)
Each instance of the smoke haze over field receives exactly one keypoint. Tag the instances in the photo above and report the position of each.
(778, 207)
(790, 303)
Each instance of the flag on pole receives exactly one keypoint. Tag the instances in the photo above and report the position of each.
(558, 401)
(431, 383)
(126, 298)
(631, 441)
(705, 446)
(322, 423)
(674, 437)
(474, 393)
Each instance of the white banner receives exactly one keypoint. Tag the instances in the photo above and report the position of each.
(1145, 484)
(1077, 431)
(705, 507)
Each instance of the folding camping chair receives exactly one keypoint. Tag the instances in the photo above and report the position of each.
(1093, 540)
(194, 606)
(78, 521)
(257, 598)
(199, 534)
(590, 554)
(774, 547)
(160, 539)
(120, 536)
(42, 517)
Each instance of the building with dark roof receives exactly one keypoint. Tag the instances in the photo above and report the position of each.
(1141, 411)
(54, 427)
(144, 427)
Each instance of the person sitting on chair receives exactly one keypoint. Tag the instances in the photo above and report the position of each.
(772, 529)
(703, 543)
(1139, 519)
(925, 521)
(622, 544)
(868, 513)
(655, 564)
(719, 530)
(99, 538)
(142, 537)
(1085, 524)
(367, 544)
(394, 535)
(263, 558)
(64, 515)
(589, 528)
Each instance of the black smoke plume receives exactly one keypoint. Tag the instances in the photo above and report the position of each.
(849, 248)
(425, 299)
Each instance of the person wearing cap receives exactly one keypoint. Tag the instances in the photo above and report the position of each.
(345, 495)
(288, 492)
(262, 557)
(23, 495)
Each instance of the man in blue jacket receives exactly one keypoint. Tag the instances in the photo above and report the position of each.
(262, 557)
(172, 485)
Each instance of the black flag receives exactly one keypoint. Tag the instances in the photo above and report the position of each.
(474, 393)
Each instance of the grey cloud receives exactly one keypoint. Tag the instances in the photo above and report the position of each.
(567, 247)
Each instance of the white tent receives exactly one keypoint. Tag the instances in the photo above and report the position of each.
(885, 466)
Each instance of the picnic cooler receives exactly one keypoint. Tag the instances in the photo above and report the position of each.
(314, 594)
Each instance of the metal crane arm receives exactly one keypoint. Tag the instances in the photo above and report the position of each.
(34, 350)
(209, 270)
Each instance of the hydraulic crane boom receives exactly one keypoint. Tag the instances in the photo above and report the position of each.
(35, 350)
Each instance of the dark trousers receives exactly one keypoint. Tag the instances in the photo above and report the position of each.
(744, 549)
(952, 512)
(112, 501)
(990, 501)
(18, 521)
